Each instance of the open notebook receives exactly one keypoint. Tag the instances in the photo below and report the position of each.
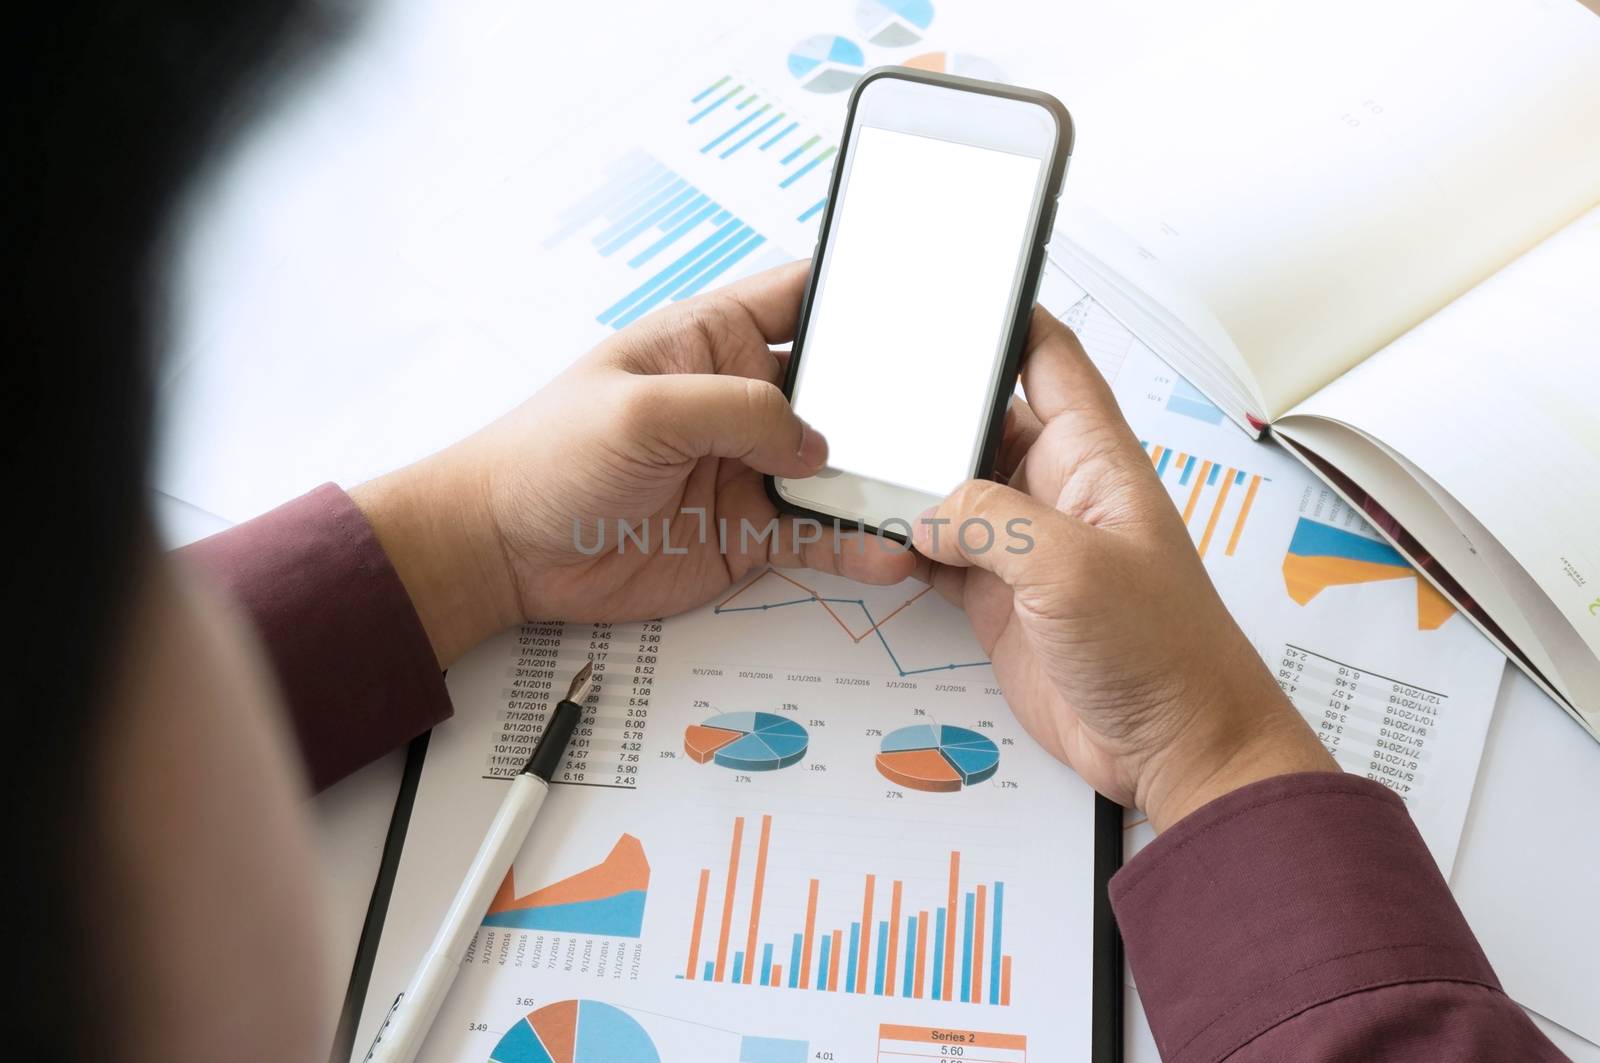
(1393, 267)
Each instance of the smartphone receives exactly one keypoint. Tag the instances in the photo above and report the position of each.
(922, 284)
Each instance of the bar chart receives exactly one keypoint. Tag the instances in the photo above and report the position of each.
(648, 216)
(733, 116)
(1230, 492)
(952, 952)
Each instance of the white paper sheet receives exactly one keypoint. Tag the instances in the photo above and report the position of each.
(1396, 684)
(1530, 858)
(749, 753)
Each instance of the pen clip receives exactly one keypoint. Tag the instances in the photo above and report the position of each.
(377, 1038)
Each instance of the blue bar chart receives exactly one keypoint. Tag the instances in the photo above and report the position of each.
(647, 215)
(734, 117)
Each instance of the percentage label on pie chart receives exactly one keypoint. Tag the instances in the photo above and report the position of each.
(938, 758)
(746, 741)
(576, 1031)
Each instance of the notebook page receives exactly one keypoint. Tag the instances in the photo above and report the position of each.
(1341, 174)
(1492, 398)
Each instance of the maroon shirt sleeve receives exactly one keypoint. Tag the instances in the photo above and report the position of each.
(353, 662)
(1302, 918)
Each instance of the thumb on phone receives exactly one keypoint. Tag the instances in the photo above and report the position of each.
(996, 528)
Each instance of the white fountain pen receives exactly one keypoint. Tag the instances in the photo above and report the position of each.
(412, 1013)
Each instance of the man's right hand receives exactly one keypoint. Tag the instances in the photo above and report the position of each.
(1107, 637)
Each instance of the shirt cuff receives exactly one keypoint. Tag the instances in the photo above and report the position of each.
(1283, 895)
(353, 662)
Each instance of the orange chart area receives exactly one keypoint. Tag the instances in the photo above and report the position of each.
(605, 899)
(937, 758)
(1321, 556)
(971, 66)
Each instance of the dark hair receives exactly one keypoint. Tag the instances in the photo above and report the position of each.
(111, 107)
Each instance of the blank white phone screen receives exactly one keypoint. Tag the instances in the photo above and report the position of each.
(905, 332)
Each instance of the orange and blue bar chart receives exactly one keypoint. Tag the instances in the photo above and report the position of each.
(952, 952)
(1203, 490)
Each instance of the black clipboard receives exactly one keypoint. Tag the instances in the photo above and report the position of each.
(1106, 1034)
(1106, 1037)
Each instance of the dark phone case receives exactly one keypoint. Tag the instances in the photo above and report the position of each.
(1018, 334)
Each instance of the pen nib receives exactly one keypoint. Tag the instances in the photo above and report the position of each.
(581, 683)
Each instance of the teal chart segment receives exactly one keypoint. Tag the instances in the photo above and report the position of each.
(937, 758)
(747, 741)
(825, 63)
(576, 1031)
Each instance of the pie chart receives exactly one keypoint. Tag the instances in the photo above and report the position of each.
(576, 1031)
(937, 758)
(826, 63)
(967, 66)
(746, 741)
(894, 23)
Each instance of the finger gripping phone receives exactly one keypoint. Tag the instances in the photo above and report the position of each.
(922, 284)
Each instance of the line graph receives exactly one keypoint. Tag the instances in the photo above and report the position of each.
(828, 604)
